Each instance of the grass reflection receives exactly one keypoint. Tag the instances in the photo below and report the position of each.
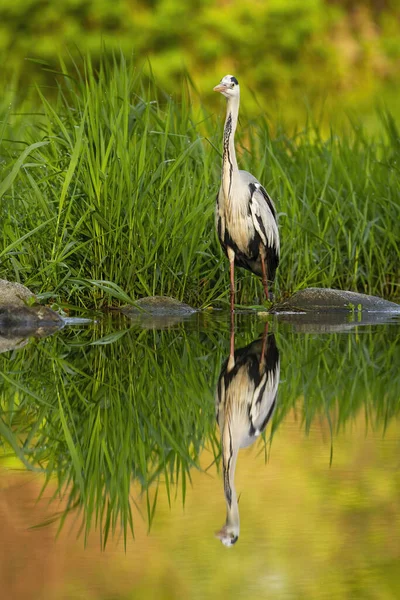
(97, 408)
(94, 410)
(339, 374)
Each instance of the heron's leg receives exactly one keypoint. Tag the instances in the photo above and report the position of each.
(264, 274)
(231, 257)
(231, 359)
(264, 345)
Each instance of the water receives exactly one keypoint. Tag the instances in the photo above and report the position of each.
(111, 475)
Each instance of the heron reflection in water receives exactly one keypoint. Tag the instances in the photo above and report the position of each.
(245, 399)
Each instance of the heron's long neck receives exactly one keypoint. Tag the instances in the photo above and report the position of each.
(229, 458)
(229, 164)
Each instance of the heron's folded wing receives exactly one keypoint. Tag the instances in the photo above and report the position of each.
(264, 400)
(264, 216)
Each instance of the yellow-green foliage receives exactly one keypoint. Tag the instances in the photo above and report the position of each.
(285, 49)
(109, 188)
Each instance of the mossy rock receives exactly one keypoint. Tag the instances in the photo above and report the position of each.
(19, 309)
(15, 294)
(319, 300)
(158, 306)
(158, 312)
(29, 316)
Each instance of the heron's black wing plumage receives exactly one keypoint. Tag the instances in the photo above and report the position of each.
(263, 213)
(264, 373)
(268, 200)
(260, 391)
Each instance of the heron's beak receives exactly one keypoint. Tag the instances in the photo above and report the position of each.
(220, 88)
(225, 538)
(221, 533)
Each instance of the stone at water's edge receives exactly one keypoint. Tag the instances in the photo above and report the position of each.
(159, 306)
(328, 300)
(29, 316)
(14, 294)
(18, 309)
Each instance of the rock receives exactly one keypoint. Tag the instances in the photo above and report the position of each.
(29, 316)
(158, 305)
(15, 294)
(158, 312)
(319, 300)
(19, 309)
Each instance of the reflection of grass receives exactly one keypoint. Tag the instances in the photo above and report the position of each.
(94, 409)
(340, 374)
(140, 407)
(109, 194)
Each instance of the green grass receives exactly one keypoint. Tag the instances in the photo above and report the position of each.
(108, 189)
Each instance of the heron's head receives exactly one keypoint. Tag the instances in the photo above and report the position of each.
(228, 535)
(228, 86)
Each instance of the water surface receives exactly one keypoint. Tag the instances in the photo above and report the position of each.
(113, 426)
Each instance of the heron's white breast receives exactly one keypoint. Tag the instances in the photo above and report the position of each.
(236, 214)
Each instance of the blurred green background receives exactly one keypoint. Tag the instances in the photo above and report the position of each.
(291, 55)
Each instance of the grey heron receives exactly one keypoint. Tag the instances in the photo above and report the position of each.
(245, 401)
(245, 214)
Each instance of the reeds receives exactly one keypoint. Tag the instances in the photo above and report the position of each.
(108, 195)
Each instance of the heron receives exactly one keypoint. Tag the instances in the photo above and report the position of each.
(245, 214)
(245, 400)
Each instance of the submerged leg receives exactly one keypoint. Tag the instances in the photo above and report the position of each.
(231, 256)
(264, 274)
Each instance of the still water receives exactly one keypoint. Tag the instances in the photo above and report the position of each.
(131, 449)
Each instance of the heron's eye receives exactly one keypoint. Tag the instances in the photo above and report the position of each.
(232, 85)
